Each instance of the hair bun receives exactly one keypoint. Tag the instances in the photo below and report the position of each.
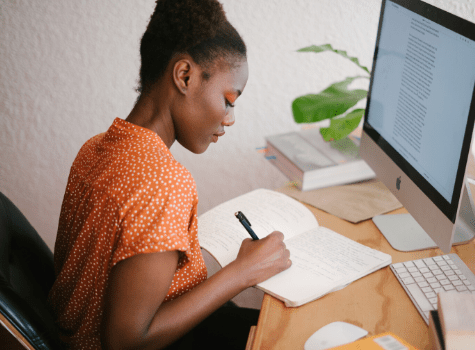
(181, 24)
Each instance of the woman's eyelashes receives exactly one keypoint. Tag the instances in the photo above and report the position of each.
(229, 104)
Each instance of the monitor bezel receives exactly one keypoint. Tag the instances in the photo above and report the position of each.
(462, 27)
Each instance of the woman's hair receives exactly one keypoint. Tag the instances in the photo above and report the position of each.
(196, 27)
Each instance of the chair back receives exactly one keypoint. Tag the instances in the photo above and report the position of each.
(26, 276)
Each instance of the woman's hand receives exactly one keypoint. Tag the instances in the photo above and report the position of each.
(261, 259)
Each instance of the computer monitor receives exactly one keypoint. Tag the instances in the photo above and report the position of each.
(418, 123)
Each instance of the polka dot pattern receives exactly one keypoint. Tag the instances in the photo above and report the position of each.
(126, 195)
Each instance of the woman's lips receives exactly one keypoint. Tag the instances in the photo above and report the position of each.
(215, 136)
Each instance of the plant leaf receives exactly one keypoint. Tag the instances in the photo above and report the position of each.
(343, 126)
(328, 47)
(334, 100)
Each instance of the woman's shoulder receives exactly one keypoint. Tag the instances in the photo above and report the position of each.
(148, 171)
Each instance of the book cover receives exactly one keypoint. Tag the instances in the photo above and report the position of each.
(305, 158)
(457, 320)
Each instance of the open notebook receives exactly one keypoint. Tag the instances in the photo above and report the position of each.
(322, 260)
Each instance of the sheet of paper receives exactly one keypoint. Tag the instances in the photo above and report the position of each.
(354, 203)
(221, 234)
(322, 261)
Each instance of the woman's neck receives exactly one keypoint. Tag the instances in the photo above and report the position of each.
(150, 112)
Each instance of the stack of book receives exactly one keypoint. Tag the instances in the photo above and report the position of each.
(306, 159)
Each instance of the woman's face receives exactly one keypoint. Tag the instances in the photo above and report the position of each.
(209, 106)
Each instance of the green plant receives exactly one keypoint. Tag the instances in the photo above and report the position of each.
(332, 102)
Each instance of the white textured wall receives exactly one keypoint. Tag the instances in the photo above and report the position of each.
(68, 68)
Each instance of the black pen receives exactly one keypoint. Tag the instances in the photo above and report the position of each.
(247, 225)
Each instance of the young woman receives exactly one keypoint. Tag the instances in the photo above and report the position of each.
(130, 274)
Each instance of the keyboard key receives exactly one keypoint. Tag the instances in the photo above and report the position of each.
(398, 265)
(424, 270)
(420, 264)
(416, 274)
(433, 295)
(462, 277)
(437, 258)
(409, 264)
(408, 280)
(461, 288)
(438, 290)
(445, 268)
(458, 272)
(446, 257)
(435, 285)
(457, 283)
(453, 278)
(423, 284)
(449, 273)
(412, 269)
(441, 277)
(444, 282)
(419, 279)
(429, 261)
(434, 267)
(431, 280)
(404, 274)
(471, 288)
(467, 283)
(401, 269)
(427, 289)
(419, 297)
(449, 287)
(428, 275)
(433, 300)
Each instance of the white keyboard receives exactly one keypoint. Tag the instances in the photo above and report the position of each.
(423, 279)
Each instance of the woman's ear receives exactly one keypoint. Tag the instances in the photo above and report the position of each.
(183, 70)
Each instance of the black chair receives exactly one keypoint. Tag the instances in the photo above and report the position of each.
(26, 276)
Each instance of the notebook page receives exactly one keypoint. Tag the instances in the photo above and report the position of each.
(322, 261)
(221, 234)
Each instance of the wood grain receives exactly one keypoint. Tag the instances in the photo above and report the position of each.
(10, 338)
(376, 302)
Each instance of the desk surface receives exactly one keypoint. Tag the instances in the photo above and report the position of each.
(376, 302)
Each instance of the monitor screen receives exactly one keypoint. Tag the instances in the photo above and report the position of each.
(421, 95)
(419, 121)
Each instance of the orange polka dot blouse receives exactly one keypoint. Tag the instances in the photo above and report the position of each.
(126, 195)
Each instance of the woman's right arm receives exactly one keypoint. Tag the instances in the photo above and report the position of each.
(135, 316)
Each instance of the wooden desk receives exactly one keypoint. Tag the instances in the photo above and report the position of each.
(376, 302)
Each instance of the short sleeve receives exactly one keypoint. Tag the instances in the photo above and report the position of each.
(157, 215)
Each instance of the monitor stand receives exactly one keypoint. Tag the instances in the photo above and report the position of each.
(404, 233)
